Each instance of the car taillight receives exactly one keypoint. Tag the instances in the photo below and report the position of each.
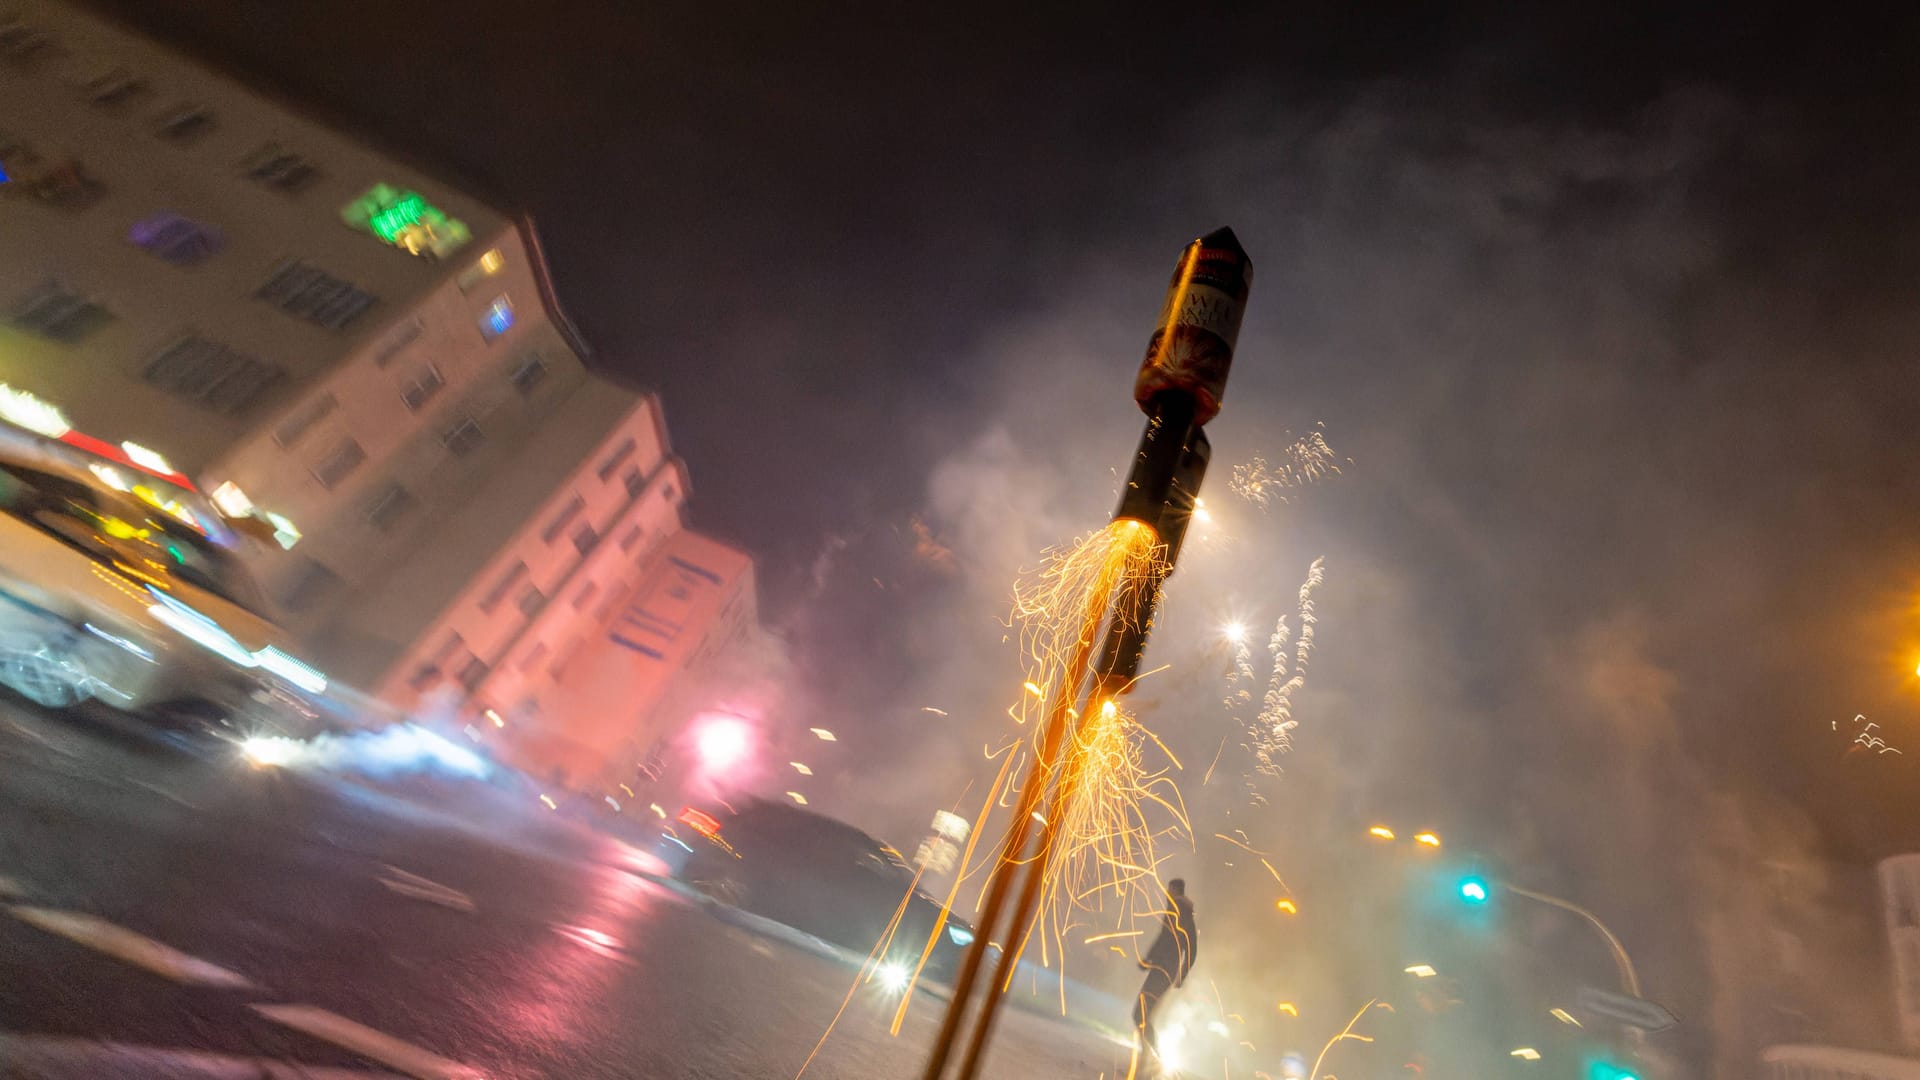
(700, 821)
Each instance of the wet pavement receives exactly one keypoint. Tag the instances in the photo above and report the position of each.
(170, 914)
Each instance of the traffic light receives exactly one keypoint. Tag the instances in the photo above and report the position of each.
(1607, 1070)
(1474, 890)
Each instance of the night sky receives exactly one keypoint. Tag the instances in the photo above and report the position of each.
(1614, 315)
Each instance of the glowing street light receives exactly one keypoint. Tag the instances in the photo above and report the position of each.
(1380, 832)
(1427, 839)
(801, 769)
(1473, 889)
(797, 797)
(823, 734)
(1525, 1053)
(1564, 1017)
(1422, 971)
(1290, 1009)
(1287, 905)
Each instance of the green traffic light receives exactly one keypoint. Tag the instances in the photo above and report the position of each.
(1473, 890)
(1606, 1070)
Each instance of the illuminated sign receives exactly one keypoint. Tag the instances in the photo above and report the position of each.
(406, 220)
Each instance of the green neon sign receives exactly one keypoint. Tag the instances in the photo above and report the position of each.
(405, 219)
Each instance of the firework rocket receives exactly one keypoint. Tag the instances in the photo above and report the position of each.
(1179, 387)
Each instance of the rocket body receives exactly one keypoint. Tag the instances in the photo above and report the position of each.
(1191, 350)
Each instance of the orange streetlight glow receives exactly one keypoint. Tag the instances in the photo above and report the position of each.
(1287, 905)
(1380, 832)
(1428, 839)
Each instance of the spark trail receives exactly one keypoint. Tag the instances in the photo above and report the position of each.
(1306, 461)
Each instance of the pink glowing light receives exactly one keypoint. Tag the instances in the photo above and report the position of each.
(723, 744)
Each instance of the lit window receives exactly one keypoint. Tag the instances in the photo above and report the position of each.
(339, 463)
(475, 673)
(406, 220)
(212, 374)
(308, 292)
(175, 239)
(585, 537)
(463, 438)
(633, 479)
(620, 454)
(485, 267)
(117, 89)
(500, 588)
(185, 124)
(632, 539)
(420, 389)
(272, 166)
(528, 374)
(303, 418)
(54, 311)
(497, 319)
(392, 506)
(560, 520)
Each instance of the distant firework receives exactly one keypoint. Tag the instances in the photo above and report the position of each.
(1308, 460)
(1864, 740)
(1270, 732)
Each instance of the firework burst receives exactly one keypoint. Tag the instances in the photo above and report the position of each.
(1306, 460)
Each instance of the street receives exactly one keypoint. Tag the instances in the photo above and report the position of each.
(177, 914)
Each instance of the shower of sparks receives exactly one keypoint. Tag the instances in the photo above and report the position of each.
(1103, 797)
(1270, 734)
(1307, 460)
(1865, 739)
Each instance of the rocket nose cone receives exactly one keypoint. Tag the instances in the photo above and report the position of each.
(1223, 237)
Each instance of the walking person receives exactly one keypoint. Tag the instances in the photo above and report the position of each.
(1168, 961)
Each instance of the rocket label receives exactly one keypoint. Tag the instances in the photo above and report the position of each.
(1206, 308)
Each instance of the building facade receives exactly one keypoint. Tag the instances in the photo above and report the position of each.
(370, 366)
(320, 334)
(1834, 1063)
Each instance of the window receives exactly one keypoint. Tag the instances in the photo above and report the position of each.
(306, 291)
(585, 596)
(403, 334)
(390, 508)
(497, 319)
(632, 539)
(585, 537)
(463, 438)
(65, 185)
(21, 44)
(473, 674)
(420, 389)
(620, 454)
(500, 588)
(560, 520)
(484, 267)
(272, 166)
(533, 656)
(634, 481)
(175, 239)
(16, 155)
(54, 311)
(310, 585)
(117, 89)
(185, 124)
(339, 463)
(528, 374)
(304, 417)
(212, 374)
(531, 600)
